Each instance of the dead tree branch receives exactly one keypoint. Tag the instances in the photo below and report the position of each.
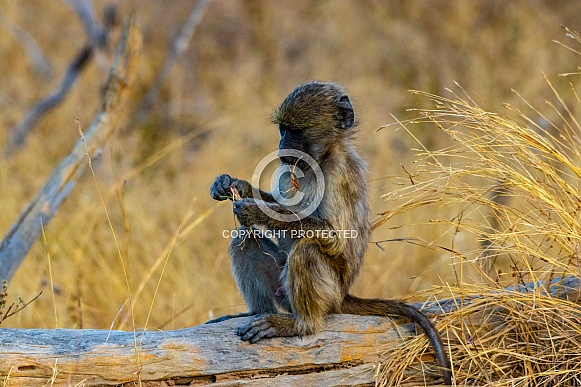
(96, 34)
(26, 230)
(180, 44)
(39, 61)
(347, 350)
(97, 38)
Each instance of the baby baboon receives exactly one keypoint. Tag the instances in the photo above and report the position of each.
(318, 251)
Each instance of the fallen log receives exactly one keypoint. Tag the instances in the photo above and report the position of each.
(347, 352)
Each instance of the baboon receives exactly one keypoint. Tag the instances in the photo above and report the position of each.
(308, 276)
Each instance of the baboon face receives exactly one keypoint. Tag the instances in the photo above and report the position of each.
(312, 118)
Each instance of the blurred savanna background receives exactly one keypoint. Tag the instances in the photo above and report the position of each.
(212, 116)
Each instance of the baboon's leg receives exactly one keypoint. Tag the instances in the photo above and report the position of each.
(313, 291)
(313, 286)
(256, 265)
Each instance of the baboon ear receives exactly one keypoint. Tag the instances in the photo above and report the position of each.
(346, 117)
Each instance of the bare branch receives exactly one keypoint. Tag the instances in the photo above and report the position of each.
(17, 308)
(97, 38)
(39, 61)
(19, 133)
(26, 230)
(180, 44)
(96, 34)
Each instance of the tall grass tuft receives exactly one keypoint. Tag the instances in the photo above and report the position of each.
(515, 179)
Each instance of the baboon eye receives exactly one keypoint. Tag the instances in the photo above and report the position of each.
(283, 127)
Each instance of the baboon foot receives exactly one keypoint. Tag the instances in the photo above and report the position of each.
(271, 325)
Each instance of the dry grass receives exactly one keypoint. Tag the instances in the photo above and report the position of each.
(514, 178)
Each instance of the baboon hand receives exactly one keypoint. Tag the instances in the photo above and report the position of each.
(248, 212)
(222, 187)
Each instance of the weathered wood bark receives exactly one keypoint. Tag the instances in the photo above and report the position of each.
(206, 353)
(346, 353)
(26, 230)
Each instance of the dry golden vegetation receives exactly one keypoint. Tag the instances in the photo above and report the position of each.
(514, 177)
(490, 199)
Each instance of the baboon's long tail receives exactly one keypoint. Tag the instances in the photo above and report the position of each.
(381, 307)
